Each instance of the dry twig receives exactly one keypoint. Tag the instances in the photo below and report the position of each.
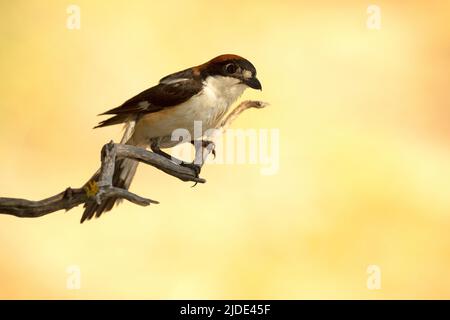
(103, 188)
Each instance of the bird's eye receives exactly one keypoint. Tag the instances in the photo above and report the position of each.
(230, 68)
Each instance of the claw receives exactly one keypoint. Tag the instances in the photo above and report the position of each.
(197, 169)
(206, 144)
(193, 166)
(209, 145)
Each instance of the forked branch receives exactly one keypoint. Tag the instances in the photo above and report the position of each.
(103, 189)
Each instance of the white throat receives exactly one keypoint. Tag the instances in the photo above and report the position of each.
(226, 89)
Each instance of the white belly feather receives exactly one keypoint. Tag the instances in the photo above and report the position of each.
(209, 106)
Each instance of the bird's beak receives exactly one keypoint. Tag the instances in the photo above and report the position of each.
(253, 83)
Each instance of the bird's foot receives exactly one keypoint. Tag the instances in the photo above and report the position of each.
(207, 144)
(193, 166)
(211, 146)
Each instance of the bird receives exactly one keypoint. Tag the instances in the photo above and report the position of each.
(201, 93)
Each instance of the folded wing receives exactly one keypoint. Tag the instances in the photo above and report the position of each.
(164, 95)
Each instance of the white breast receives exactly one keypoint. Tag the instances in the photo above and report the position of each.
(218, 95)
(209, 106)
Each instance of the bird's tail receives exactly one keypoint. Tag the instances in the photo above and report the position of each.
(124, 172)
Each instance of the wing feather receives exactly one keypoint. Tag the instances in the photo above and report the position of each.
(164, 95)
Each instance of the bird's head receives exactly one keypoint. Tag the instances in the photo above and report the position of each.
(230, 66)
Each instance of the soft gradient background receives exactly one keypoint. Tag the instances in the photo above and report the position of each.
(364, 151)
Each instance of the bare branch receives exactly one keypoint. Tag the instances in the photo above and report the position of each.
(157, 161)
(103, 188)
(239, 109)
(65, 200)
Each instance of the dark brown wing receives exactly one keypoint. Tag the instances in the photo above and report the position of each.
(164, 95)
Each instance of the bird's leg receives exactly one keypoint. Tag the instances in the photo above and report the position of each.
(154, 146)
(202, 149)
(208, 145)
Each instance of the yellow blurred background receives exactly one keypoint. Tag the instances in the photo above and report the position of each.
(364, 174)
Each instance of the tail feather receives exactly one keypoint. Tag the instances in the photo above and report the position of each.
(123, 176)
(124, 172)
(117, 119)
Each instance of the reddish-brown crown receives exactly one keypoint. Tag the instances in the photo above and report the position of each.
(215, 65)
